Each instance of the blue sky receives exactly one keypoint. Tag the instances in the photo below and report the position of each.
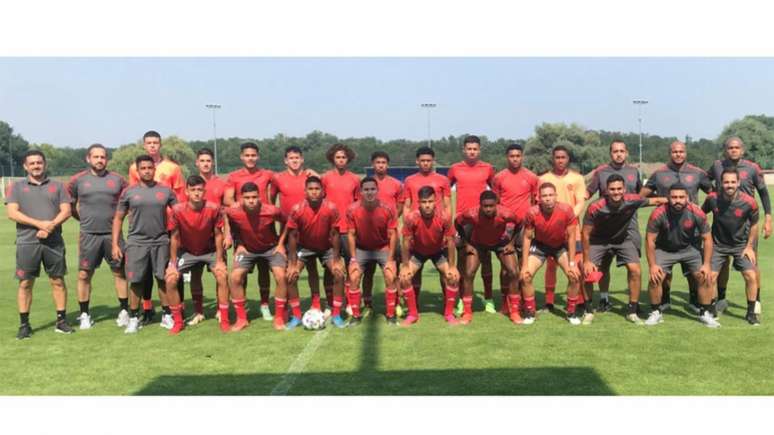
(78, 101)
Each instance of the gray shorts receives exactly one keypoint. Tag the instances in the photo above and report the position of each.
(364, 257)
(307, 255)
(419, 260)
(542, 251)
(689, 258)
(720, 256)
(248, 260)
(625, 253)
(142, 259)
(93, 248)
(29, 257)
(186, 261)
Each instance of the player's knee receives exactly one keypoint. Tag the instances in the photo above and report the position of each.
(634, 269)
(84, 275)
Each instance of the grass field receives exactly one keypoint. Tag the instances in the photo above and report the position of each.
(489, 357)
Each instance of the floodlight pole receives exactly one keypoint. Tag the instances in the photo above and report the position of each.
(639, 104)
(213, 108)
(428, 106)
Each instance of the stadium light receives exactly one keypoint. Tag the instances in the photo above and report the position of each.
(429, 107)
(640, 103)
(213, 108)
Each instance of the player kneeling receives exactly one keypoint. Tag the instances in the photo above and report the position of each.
(313, 234)
(255, 236)
(197, 240)
(427, 231)
(372, 237)
(549, 231)
(485, 229)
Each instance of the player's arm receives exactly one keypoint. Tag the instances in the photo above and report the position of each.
(17, 216)
(588, 266)
(273, 190)
(220, 252)
(228, 240)
(593, 186)
(115, 233)
(65, 211)
(292, 253)
(526, 244)
(405, 248)
(706, 269)
(335, 244)
(464, 229)
(229, 194)
(646, 191)
(763, 192)
(656, 201)
(580, 197)
(352, 245)
(72, 190)
(393, 235)
(571, 238)
(174, 247)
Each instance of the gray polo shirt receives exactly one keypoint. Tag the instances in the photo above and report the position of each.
(148, 217)
(98, 196)
(38, 201)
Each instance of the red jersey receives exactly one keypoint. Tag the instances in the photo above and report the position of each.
(314, 226)
(291, 189)
(342, 190)
(196, 227)
(261, 177)
(254, 231)
(413, 183)
(371, 226)
(551, 230)
(516, 190)
(487, 231)
(428, 235)
(471, 180)
(390, 191)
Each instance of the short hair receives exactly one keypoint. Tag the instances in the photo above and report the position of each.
(730, 170)
(248, 145)
(425, 151)
(616, 140)
(293, 149)
(380, 154)
(331, 153)
(95, 146)
(151, 133)
(514, 146)
(369, 180)
(676, 142)
(561, 148)
(547, 185)
(249, 187)
(204, 151)
(312, 179)
(194, 180)
(733, 139)
(425, 192)
(471, 139)
(487, 194)
(34, 153)
(143, 158)
(678, 186)
(614, 178)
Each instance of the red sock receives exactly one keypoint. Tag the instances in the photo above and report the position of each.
(572, 301)
(279, 308)
(391, 299)
(264, 296)
(177, 314)
(550, 294)
(239, 307)
(487, 279)
(198, 300)
(295, 306)
(147, 304)
(451, 298)
(515, 302)
(337, 303)
(581, 299)
(316, 302)
(529, 304)
(353, 297)
(223, 309)
(411, 301)
(467, 302)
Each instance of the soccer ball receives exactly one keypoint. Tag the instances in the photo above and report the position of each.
(313, 320)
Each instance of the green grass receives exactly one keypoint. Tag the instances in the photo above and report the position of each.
(490, 356)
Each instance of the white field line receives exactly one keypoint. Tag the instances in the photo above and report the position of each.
(299, 364)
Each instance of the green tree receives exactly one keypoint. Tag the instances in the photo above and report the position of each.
(757, 132)
(17, 145)
(172, 147)
(585, 146)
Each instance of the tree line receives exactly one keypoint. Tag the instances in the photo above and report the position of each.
(588, 147)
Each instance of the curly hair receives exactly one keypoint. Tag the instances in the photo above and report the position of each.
(340, 147)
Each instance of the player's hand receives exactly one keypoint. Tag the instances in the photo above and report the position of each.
(767, 227)
(338, 267)
(705, 272)
(171, 274)
(228, 242)
(390, 267)
(508, 249)
(353, 266)
(405, 273)
(750, 254)
(312, 173)
(589, 268)
(240, 250)
(656, 274)
(220, 265)
(573, 272)
(525, 275)
(117, 254)
(47, 226)
(42, 234)
(292, 272)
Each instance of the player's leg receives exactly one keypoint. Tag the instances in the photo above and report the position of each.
(138, 275)
(170, 284)
(534, 262)
(368, 285)
(313, 278)
(751, 290)
(509, 263)
(280, 297)
(656, 297)
(222, 293)
(55, 266)
(24, 302)
(90, 253)
(328, 285)
(693, 291)
(550, 284)
(634, 279)
(197, 294)
(486, 279)
(243, 264)
(264, 288)
(704, 291)
(722, 283)
(461, 265)
(604, 286)
(356, 268)
(336, 271)
(471, 261)
(83, 290)
(573, 288)
(451, 289)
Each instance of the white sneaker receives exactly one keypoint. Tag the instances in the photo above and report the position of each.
(634, 318)
(528, 320)
(327, 313)
(654, 318)
(574, 320)
(266, 312)
(721, 305)
(196, 319)
(587, 318)
(132, 326)
(167, 322)
(757, 310)
(348, 310)
(123, 319)
(708, 320)
(85, 320)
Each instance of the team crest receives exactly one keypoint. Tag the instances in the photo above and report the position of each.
(136, 197)
(688, 178)
(738, 212)
(86, 185)
(160, 196)
(110, 183)
(630, 177)
(688, 224)
(20, 273)
(26, 189)
(742, 174)
(52, 189)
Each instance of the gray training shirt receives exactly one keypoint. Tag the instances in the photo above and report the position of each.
(98, 196)
(38, 201)
(148, 219)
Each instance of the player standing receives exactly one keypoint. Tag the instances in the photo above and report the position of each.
(95, 194)
(147, 244)
(39, 206)
(734, 230)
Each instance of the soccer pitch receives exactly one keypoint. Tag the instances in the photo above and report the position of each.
(491, 356)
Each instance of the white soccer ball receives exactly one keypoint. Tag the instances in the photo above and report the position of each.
(313, 320)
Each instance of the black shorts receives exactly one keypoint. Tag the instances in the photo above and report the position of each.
(51, 254)
(93, 248)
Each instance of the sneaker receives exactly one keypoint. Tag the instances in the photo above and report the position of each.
(466, 318)
(708, 320)
(410, 320)
(132, 326)
(460, 308)
(392, 320)
(516, 318)
(63, 328)
(367, 311)
(123, 319)
(326, 314)
(279, 323)
(266, 312)
(147, 317)
(547, 308)
(348, 310)
(757, 309)
(240, 325)
(604, 305)
(753, 319)
(574, 320)
(451, 320)
(85, 321)
(489, 306)
(25, 331)
(654, 318)
(721, 305)
(196, 319)
(588, 318)
(695, 309)
(354, 321)
(338, 322)
(167, 322)
(399, 311)
(634, 318)
(176, 328)
(529, 318)
(292, 323)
